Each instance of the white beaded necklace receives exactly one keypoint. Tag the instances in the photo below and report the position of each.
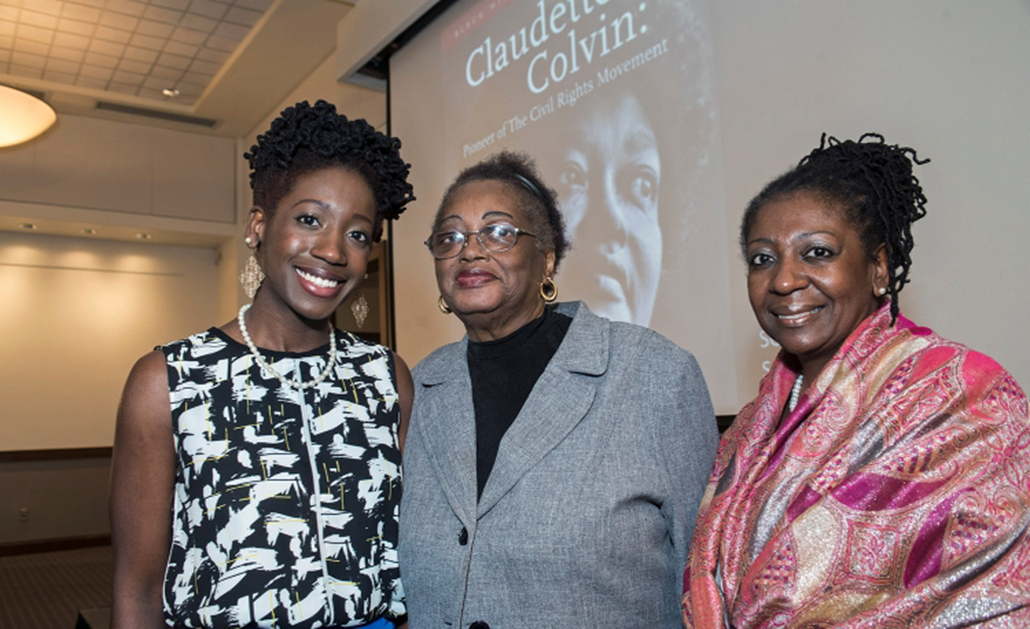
(289, 382)
(795, 393)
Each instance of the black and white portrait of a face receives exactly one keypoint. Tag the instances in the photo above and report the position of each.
(608, 175)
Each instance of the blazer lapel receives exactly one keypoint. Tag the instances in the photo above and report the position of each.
(450, 438)
(558, 402)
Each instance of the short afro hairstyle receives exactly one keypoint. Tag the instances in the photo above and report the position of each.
(539, 202)
(872, 183)
(306, 138)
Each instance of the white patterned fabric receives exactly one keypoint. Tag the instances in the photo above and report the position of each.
(286, 501)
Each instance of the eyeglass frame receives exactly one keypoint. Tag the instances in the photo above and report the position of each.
(465, 239)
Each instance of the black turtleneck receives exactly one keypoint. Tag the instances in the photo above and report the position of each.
(503, 373)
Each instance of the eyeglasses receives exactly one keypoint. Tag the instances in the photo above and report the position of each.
(495, 238)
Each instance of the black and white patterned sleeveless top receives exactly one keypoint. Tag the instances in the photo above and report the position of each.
(286, 501)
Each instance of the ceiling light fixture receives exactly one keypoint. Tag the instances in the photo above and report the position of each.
(25, 116)
(89, 231)
(27, 226)
(143, 236)
(170, 92)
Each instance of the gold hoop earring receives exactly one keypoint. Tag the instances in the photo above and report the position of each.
(548, 290)
(443, 306)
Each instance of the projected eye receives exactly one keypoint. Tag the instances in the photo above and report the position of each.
(644, 187)
(641, 187)
(572, 176)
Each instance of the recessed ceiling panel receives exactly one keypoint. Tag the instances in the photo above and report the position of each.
(162, 50)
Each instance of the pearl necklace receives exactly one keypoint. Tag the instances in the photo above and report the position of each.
(795, 393)
(289, 382)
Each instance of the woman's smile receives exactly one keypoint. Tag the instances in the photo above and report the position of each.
(320, 283)
(473, 278)
(798, 317)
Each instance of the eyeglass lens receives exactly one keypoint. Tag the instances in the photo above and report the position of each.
(493, 238)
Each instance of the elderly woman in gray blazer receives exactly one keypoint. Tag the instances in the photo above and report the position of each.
(555, 459)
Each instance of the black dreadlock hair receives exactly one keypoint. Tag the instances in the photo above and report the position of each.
(306, 138)
(872, 182)
(539, 202)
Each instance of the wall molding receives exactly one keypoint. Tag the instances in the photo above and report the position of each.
(30, 547)
(57, 454)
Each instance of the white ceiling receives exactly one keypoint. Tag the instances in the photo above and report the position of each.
(231, 61)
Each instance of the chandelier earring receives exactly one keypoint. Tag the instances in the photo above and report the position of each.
(444, 308)
(252, 275)
(548, 290)
(360, 310)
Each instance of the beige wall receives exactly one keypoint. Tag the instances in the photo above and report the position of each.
(945, 77)
(77, 311)
(75, 316)
(91, 163)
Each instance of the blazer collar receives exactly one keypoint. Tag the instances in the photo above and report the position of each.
(558, 402)
(584, 349)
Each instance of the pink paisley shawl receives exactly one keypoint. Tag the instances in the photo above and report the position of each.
(895, 495)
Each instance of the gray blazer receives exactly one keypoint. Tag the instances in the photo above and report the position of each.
(587, 515)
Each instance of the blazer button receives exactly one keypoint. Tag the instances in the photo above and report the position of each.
(463, 538)
(479, 624)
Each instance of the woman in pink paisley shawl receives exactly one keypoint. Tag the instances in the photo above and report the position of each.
(882, 475)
